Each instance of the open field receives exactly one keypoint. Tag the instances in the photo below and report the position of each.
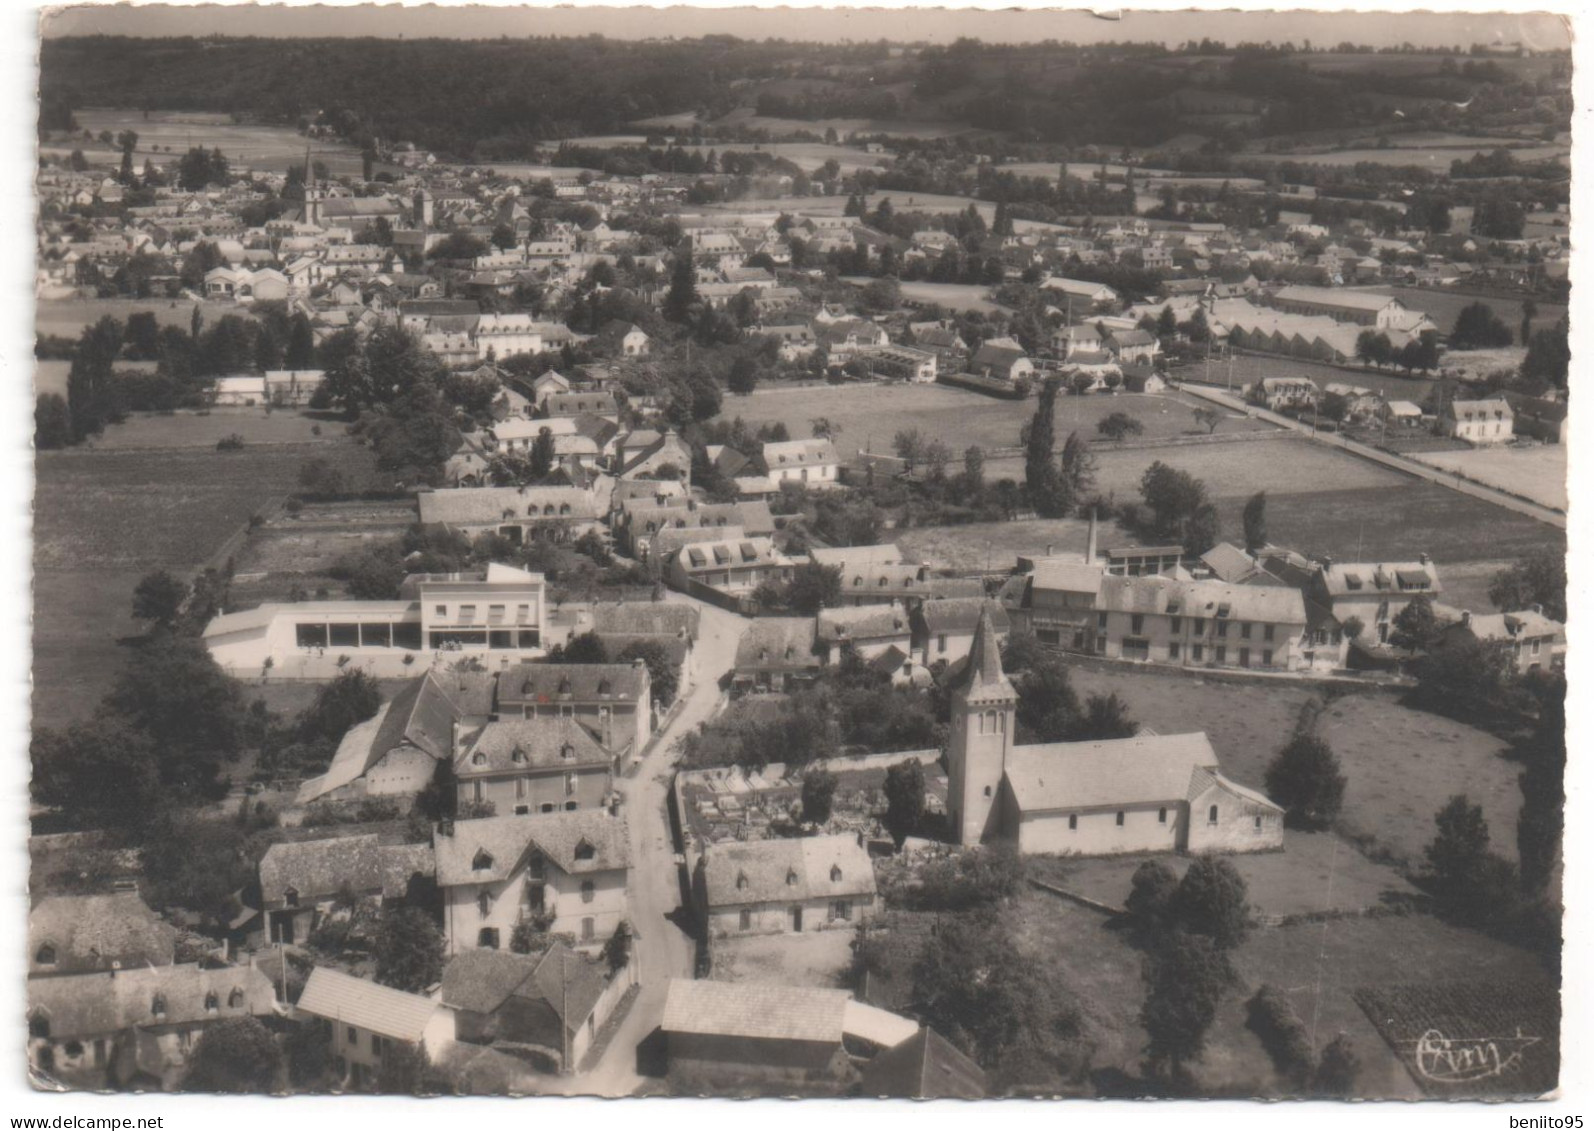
(1434, 160)
(837, 205)
(1402, 764)
(1316, 872)
(870, 415)
(806, 155)
(888, 127)
(953, 296)
(262, 147)
(201, 429)
(102, 519)
(67, 317)
(1537, 473)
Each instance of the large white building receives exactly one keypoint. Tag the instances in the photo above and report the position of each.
(499, 614)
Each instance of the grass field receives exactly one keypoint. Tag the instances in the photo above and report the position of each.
(1402, 764)
(102, 519)
(871, 415)
(1435, 160)
(262, 147)
(953, 296)
(837, 205)
(67, 317)
(1537, 473)
(1316, 872)
(201, 429)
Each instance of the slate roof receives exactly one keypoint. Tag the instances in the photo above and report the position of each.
(861, 622)
(1351, 578)
(926, 1066)
(786, 870)
(1229, 563)
(981, 675)
(1145, 769)
(754, 1011)
(510, 744)
(477, 506)
(778, 644)
(571, 683)
(400, 862)
(1158, 594)
(347, 1000)
(480, 980)
(93, 1005)
(89, 932)
(506, 840)
(961, 614)
(799, 453)
(645, 617)
(319, 868)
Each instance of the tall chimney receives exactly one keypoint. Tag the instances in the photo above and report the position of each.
(1090, 541)
(1466, 617)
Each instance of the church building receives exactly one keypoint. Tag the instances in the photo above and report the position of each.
(1149, 793)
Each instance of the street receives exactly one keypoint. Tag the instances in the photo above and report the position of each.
(663, 949)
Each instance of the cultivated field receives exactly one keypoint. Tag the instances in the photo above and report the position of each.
(166, 136)
(102, 519)
(1402, 764)
(817, 958)
(1537, 473)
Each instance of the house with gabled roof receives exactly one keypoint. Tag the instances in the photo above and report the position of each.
(521, 766)
(1149, 793)
(544, 1008)
(730, 566)
(135, 1027)
(564, 872)
(1533, 641)
(367, 1023)
(943, 627)
(785, 885)
(776, 654)
(86, 934)
(612, 701)
(1490, 420)
(1374, 593)
(813, 463)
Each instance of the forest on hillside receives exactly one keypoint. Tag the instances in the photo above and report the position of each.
(497, 99)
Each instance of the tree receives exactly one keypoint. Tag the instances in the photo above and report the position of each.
(158, 598)
(617, 951)
(340, 705)
(743, 377)
(1352, 627)
(823, 428)
(1538, 579)
(588, 648)
(52, 422)
(1462, 675)
(1543, 783)
(1105, 717)
(1415, 628)
(1478, 327)
(1151, 891)
(191, 710)
(101, 773)
(90, 390)
(319, 477)
(1255, 519)
(1186, 978)
(1211, 902)
(904, 790)
(1337, 1069)
(409, 949)
(1078, 466)
(813, 587)
(1179, 507)
(908, 443)
(973, 484)
(1334, 406)
(1119, 426)
(1304, 777)
(142, 336)
(544, 452)
(1048, 709)
(236, 1055)
(299, 352)
(1465, 877)
(1047, 491)
(682, 297)
(819, 793)
(1530, 311)
(1209, 417)
(663, 678)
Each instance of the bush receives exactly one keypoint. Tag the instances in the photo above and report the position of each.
(230, 443)
(1271, 1017)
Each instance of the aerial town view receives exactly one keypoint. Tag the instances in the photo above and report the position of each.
(741, 558)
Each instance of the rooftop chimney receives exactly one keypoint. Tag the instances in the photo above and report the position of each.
(1424, 558)
(1090, 541)
(1466, 617)
(445, 827)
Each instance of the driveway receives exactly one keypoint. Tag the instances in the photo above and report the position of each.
(663, 949)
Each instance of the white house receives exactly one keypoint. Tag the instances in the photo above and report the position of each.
(367, 1022)
(563, 872)
(813, 463)
(785, 885)
(1489, 421)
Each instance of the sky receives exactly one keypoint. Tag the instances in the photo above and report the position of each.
(934, 25)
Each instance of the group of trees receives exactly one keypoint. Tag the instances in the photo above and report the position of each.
(1420, 354)
(1175, 509)
(1049, 710)
(1055, 484)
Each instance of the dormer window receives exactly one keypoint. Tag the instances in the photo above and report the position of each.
(158, 1005)
(741, 881)
(605, 687)
(291, 897)
(835, 872)
(564, 685)
(567, 752)
(45, 955)
(483, 861)
(236, 998)
(791, 877)
(478, 759)
(212, 1002)
(584, 850)
(518, 756)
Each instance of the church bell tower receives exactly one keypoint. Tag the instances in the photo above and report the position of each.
(983, 704)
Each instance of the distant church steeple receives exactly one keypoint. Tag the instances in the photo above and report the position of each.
(983, 705)
(313, 195)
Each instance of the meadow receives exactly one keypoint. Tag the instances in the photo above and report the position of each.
(1537, 473)
(66, 317)
(165, 136)
(104, 518)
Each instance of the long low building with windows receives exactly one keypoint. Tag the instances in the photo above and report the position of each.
(501, 612)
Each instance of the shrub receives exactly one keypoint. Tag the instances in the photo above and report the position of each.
(230, 443)
(1271, 1017)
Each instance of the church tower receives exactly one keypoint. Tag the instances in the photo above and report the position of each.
(313, 194)
(983, 703)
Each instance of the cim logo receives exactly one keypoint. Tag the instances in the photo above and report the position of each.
(1445, 1060)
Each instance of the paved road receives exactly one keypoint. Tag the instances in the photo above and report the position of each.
(1398, 463)
(663, 949)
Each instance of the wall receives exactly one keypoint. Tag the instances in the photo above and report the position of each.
(1236, 829)
(541, 788)
(1099, 834)
(463, 920)
(740, 1059)
(775, 918)
(1157, 630)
